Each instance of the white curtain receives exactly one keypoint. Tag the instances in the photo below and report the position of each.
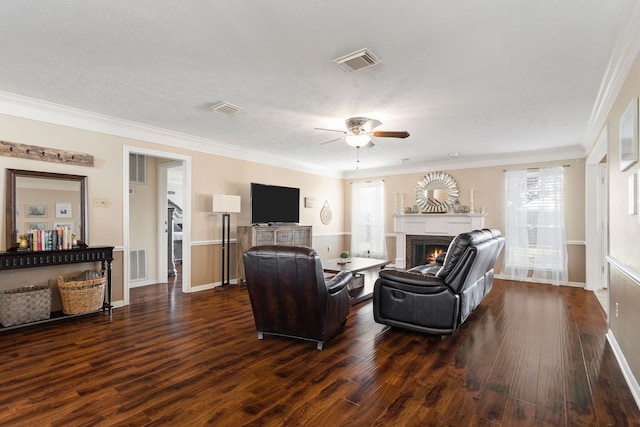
(516, 253)
(367, 220)
(535, 228)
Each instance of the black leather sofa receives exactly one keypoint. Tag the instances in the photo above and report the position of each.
(437, 299)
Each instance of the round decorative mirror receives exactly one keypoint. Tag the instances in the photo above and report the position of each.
(436, 192)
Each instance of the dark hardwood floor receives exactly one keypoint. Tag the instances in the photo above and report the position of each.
(529, 355)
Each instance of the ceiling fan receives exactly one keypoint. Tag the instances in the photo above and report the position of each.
(361, 129)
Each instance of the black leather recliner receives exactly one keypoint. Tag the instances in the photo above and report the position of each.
(289, 295)
(438, 299)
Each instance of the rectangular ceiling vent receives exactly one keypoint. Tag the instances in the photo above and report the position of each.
(357, 61)
(225, 108)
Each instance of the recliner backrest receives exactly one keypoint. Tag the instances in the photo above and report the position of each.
(460, 264)
(457, 247)
(287, 289)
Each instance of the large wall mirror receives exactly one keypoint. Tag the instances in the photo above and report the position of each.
(436, 192)
(46, 201)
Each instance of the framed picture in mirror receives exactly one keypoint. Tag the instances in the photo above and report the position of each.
(36, 211)
(63, 210)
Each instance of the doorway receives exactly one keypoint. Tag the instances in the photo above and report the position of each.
(170, 201)
(163, 165)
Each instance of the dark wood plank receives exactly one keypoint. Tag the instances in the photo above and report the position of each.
(529, 355)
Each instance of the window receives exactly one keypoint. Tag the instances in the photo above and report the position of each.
(367, 220)
(535, 229)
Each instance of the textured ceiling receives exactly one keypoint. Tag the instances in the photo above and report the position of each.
(480, 78)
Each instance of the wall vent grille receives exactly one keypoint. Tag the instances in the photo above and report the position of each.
(137, 168)
(137, 264)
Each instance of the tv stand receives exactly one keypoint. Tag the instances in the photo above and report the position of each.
(272, 234)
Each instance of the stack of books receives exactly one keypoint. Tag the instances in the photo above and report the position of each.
(50, 240)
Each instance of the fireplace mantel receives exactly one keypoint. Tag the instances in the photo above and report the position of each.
(431, 225)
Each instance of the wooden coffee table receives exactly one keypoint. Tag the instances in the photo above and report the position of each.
(365, 271)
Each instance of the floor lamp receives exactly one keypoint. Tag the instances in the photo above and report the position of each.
(226, 204)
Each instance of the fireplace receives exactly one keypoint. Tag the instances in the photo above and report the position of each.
(424, 249)
(421, 226)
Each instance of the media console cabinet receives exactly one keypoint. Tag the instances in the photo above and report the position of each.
(254, 235)
(31, 259)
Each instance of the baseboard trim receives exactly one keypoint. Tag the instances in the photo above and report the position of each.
(140, 283)
(634, 387)
(208, 286)
(530, 280)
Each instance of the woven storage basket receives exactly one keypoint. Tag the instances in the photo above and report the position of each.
(24, 305)
(357, 281)
(81, 296)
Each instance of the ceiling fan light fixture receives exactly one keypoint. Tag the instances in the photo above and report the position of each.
(357, 140)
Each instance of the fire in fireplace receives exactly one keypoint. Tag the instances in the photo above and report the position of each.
(432, 255)
(425, 249)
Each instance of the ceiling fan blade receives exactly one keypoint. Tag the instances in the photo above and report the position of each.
(331, 130)
(390, 134)
(370, 125)
(331, 140)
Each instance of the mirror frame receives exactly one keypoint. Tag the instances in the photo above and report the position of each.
(422, 199)
(11, 197)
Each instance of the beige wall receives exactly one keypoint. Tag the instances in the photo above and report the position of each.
(624, 228)
(216, 174)
(210, 175)
(489, 187)
(624, 235)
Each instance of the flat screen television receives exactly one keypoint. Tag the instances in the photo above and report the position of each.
(271, 204)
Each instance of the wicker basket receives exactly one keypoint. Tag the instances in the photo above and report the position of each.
(357, 281)
(81, 296)
(24, 305)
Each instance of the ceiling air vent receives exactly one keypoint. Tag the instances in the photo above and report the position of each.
(225, 108)
(357, 61)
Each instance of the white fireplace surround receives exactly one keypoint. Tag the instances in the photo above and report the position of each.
(431, 225)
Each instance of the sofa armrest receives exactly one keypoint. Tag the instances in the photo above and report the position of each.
(339, 282)
(411, 277)
(430, 269)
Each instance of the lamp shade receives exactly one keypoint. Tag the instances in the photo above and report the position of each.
(226, 203)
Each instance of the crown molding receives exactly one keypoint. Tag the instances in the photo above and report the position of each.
(529, 157)
(624, 55)
(47, 112)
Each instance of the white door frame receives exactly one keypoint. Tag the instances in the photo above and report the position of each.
(186, 238)
(596, 209)
(603, 222)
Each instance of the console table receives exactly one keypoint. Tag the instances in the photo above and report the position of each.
(31, 259)
(255, 235)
